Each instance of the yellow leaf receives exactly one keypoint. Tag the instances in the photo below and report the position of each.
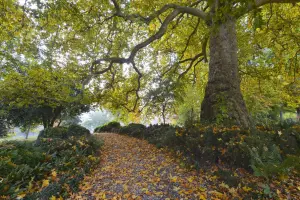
(54, 173)
(52, 198)
(202, 189)
(202, 197)
(232, 191)
(45, 183)
(125, 187)
(176, 188)
(173, 179)
(224, 185)
(190, 179)
(216, 193)
(21, 195)
(246, 189)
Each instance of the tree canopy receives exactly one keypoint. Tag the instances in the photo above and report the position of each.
(113, 52)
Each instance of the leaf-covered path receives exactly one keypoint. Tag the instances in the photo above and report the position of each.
(134, 169)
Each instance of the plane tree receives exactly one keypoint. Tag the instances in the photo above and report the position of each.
(121, 47)
(223, 94)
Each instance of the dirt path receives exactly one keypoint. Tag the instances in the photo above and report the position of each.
(134, 169)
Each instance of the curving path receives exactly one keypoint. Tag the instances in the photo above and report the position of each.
(134, 169)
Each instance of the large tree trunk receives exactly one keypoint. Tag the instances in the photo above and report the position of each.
(223, 102)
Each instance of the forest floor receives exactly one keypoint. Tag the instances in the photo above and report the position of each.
(131, 168)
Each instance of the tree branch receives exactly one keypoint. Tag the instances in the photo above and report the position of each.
(252, 5)
(259, 3)
(182, 9)
(130, 60)
(191, 65)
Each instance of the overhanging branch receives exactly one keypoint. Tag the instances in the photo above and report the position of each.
(183, 9)
(177, 9)
(252, 5)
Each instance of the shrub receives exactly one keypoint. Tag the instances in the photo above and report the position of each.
(24, 165)
(163, 135)
(266, 150)
(63, 132)
(109, 127)
(55, 132)
(77, 130)
(288, 140)
(134, 130)
(3, 128)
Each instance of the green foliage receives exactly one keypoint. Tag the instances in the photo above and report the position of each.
(50, 94)
(25, 167)
(267, 153)
(53, 189)
(73, 130)
(54, 132)
(162, 135)
(3, 128)
(109, 127)
(135, 130)
(77, 131)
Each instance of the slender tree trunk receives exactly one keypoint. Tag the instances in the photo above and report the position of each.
(60, 120)
(27, 132)
(45, 124)
(281, 116)
(298, 114)
(223, 102)
(163, 114)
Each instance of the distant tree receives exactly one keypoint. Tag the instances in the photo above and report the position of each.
(3, 127)
(41, 96)
(161, 99)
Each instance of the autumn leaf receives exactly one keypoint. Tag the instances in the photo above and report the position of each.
(45, 183)
(246, 189)
(52, 198)
(224, 185)
(21, 195)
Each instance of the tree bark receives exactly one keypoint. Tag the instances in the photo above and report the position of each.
(223, 102)
(27, 132)
(163, 113)
(298, 114)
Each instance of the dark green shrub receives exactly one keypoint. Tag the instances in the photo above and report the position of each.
(3, 128)
(109, 127)
(77, 131)
(23, 164)
(62, 133)
(288, 140)
(53, 189)
(134, 130)
(266, 150)
(55, 132)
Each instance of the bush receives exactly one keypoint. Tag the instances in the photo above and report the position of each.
(3, 128)
(55, 132)
(266, 151)
(63, 132)
(134, 130)
(77, 131)
(109, 127)
(162, 135)
(60, 162)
